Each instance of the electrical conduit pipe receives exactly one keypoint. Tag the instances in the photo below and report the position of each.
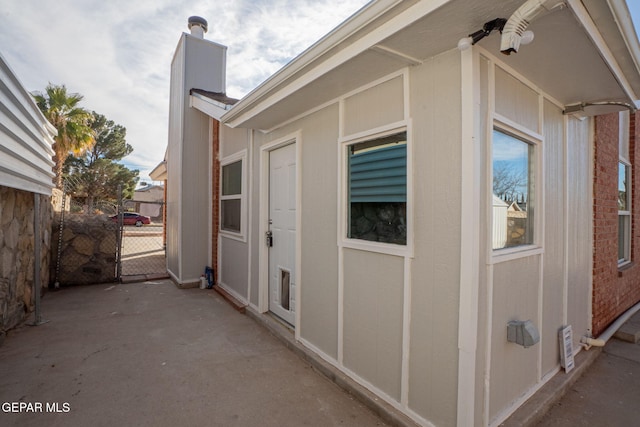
(588, 342)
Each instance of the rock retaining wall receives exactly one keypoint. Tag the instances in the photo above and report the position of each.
(17, 257)
(88, 254)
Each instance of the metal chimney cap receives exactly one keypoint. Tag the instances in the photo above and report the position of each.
(197, 20)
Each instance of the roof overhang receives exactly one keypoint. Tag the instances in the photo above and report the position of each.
(213, 104)
(159, 173)
(585, 52)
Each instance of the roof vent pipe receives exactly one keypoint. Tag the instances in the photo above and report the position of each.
(198, 26)
(520, 20)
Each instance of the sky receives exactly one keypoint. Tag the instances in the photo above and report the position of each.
(117, 53)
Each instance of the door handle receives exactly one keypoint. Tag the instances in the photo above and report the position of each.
(269, 238)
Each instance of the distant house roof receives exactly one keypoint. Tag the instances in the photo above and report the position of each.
(515, 207)
(150, 193)
(498, 202)
(149, 188)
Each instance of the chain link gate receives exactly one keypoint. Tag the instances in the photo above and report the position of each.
(141, 249)
(99, 241)
(86, 240)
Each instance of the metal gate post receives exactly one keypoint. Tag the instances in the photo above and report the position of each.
(64, 199)
(37, 252)
(119, 236)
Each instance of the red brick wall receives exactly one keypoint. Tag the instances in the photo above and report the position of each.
(614, 290)
(215, 186)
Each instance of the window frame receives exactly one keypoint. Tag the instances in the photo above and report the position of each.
(535, 140)
(241, 235)
(626, 259)
(344, 207)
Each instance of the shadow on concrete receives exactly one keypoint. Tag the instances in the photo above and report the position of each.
(150, 354)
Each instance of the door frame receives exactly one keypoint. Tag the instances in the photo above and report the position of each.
(263, 223)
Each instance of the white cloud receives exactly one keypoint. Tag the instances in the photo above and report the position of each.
(118, 53)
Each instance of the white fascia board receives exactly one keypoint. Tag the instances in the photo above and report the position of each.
(262, 98)
(208, 106)
(322, 46)
(627, 30)
(159, 173)
(583, 17)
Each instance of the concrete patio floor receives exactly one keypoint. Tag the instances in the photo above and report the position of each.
(150, 354)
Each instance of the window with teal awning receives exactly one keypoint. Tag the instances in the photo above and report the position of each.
(377, 189)
(379, 175)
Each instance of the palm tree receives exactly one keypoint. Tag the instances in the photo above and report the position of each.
(73, 124)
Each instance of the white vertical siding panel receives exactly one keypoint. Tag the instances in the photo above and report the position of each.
(197, 63)
(373, 306)
(233, 270)
(380, 105)
(319, 269)
(516, 101)
(174, 162)
(528, 287)
(435, 287)
(233, 140)
(499, 210)
(554, 203)
(195, 195)
(234, 254)
(256, 239)
(580, 213)
(484, 293)
(319, 265)
(515, 297)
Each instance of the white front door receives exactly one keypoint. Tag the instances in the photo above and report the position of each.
(282, 231)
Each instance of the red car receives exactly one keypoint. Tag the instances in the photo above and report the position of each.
(132, 218)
